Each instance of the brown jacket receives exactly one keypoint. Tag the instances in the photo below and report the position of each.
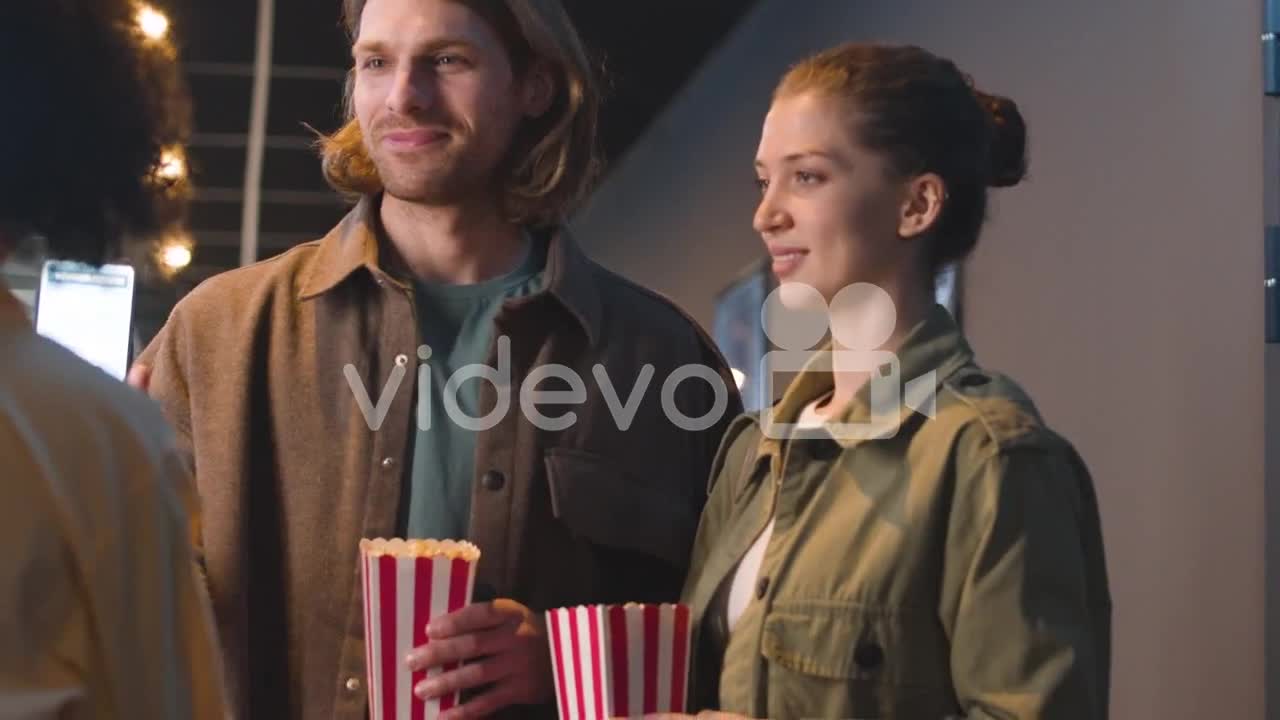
(250, 370)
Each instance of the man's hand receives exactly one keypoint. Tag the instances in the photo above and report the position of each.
(139, 378)
(504, 645)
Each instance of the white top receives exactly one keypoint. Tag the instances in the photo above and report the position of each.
(743, 588)
(102, 614)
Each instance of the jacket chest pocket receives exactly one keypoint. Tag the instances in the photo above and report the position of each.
(636, 531)
(847, 660)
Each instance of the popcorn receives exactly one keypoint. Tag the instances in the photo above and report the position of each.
(407, 583)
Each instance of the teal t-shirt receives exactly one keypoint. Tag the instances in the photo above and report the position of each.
(456, 322)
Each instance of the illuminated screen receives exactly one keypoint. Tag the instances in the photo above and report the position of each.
(88, 310)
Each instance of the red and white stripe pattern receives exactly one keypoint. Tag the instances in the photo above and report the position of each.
(613, 661)
(401, 595)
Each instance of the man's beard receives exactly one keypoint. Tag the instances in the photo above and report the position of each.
(433, 175)
(442, 180)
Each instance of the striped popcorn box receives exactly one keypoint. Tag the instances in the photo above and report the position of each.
(614, 661)
(406, 584)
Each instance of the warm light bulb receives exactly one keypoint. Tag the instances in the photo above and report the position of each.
(173, 165)
(153, 23)
(176, 256)
(174, 253)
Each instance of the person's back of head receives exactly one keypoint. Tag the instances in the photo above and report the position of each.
(93, 102)
(99, 582)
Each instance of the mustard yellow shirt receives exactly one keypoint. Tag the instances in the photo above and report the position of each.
(102, 614)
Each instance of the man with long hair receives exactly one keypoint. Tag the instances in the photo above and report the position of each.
(102, 612)
(470, 140)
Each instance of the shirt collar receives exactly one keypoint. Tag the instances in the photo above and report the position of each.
(353, 244)
(932, 352)
(348, 247)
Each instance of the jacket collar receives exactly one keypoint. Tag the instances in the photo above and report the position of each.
(933, 351)
(348, 247)
(353, 245)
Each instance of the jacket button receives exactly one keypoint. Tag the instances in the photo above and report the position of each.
(868, 656)
(353, 684)
(388, 463)
(493, 481)
(762, 588)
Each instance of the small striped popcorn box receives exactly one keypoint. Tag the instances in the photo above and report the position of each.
(617, 661)
(407, 583)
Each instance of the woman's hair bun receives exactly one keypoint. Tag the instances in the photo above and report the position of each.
(1008, 153)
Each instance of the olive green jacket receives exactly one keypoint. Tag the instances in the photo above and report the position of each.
(954, 569)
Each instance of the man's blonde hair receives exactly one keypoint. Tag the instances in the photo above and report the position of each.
(552, 162)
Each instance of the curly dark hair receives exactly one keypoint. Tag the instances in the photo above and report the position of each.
(92, 103)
